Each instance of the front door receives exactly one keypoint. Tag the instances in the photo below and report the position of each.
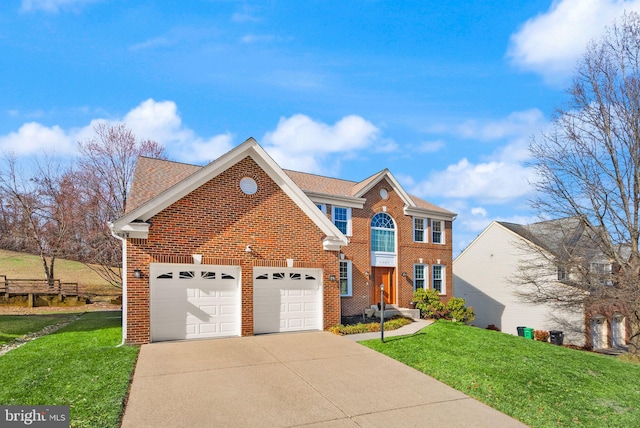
(384, 275)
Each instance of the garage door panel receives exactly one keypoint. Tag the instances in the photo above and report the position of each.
(287, 300)
(194, 301)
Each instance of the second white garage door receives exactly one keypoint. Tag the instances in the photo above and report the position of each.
(286, 300)
(194, 301)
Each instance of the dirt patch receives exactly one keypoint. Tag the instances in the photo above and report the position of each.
(91, 307)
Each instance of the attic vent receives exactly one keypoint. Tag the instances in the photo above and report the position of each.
(248, 186)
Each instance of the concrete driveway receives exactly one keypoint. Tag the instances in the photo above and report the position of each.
(287, 380)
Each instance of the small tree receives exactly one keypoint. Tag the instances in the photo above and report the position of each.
(41, 210)
(106, 166)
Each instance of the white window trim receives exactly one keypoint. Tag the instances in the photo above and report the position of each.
(443, 279)
(425, 229)
(425, 272)
(349, 279)
(323, 208)
(333, 216)
(442, 235)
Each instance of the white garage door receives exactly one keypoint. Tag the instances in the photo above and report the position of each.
(286, 300)
(194, 301)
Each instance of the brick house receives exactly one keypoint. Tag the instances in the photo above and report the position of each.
(241, 247)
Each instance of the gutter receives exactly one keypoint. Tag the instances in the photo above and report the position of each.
(124, 284)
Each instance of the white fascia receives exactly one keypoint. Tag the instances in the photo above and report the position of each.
(336, 200)
(426, 213)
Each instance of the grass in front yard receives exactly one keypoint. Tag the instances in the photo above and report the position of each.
(13, 326)
(78, 366)
(537, 383)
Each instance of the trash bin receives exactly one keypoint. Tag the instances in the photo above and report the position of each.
(521, 331)
(528, 333)
(556, 337)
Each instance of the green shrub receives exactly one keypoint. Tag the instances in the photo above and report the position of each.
(428, 301)
(458, 311)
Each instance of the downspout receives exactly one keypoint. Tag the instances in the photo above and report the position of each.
(124, 285)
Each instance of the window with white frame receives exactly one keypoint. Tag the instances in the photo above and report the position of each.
(437, 279)
(419, 278)
(602, 272)
(341, 217)
(383, 233)
(322, 207)
(419, 230)
(437, 232)
(345, 278)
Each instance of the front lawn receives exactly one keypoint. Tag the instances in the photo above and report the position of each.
(14, 326)
(540, 384)
(78, 366)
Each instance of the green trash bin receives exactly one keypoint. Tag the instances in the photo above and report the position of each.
(528, 333)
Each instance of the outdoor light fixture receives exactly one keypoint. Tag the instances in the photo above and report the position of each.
(404, 274)
(332, 278)
(137, 273)
(366, 273)
(248, 249)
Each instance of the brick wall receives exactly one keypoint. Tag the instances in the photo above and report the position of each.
(218, 221)
(409, 252)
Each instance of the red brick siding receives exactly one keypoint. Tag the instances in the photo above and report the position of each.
(218, 221)
(409, 252)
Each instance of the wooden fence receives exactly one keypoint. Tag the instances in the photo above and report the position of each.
(37, 286)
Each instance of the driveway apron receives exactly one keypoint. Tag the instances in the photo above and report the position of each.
(288, 380)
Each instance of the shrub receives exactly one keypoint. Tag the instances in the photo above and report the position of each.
(458, 311)
(541, 335)
(493, 327)
(428, 301)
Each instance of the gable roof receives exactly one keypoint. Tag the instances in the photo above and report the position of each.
(134, 223)
(153, 177)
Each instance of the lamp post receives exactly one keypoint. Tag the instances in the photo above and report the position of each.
(382, 312)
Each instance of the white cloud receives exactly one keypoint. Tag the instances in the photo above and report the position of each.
(516, 124)
(552, 42)
(34, 138)
(301, 143)
(430, 146)
(495, 178)
(150, 120)
(53, 5)
(479, 211)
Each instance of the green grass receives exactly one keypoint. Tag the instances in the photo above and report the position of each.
(28, 266)
(540, 384)
(78, 366)
(13, 326)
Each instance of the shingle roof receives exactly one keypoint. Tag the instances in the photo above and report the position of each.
(153, 176)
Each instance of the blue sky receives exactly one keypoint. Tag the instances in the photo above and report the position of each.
(446, 94)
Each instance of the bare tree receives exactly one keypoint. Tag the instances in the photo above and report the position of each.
(106, 167)
(588, 167)
(40, 210)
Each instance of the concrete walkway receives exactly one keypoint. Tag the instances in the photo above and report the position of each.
(313, 379)
(412, 328)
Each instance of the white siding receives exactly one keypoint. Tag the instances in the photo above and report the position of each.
(482, 276)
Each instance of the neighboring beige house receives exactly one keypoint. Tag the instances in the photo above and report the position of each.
(484, 274)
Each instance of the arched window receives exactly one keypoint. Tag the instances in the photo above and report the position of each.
(383, 233)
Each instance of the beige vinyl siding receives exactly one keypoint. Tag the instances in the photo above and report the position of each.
(483, 275)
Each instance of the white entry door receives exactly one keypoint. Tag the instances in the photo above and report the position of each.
(287, 299)
(618, 331)
(598, 332)
(194, 301)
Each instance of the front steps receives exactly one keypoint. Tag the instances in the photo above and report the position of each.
(392, 311)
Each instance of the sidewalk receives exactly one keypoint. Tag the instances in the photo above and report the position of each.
(408, 329)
